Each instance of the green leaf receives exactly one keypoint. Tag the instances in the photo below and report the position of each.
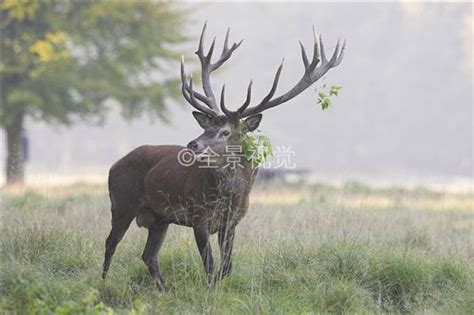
(70, 56)
(256, 149)
(324, 100)
(326, 104)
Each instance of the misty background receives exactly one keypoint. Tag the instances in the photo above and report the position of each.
(404, 113)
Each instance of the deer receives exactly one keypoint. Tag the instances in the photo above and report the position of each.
(153, 186)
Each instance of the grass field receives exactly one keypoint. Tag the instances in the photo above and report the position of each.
(300, 249)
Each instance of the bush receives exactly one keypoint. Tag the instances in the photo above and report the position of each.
(28, 297)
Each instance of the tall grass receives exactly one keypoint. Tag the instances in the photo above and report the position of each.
(321, 249)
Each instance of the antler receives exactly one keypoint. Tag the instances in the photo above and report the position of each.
(237, 114)
(311, 74)
(206, 103)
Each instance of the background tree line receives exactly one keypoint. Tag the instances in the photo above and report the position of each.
(62, 60)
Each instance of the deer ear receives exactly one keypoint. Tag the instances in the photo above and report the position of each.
(203, 120)
(252, 122)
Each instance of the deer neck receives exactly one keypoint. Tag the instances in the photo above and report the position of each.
(231, 181)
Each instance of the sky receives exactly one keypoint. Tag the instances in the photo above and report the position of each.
(405, 109)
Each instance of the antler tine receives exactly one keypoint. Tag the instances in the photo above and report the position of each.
(275, 83)
(304, 56)
(236, 115)
(236, 45)
(189, 94)
(308, 67)
(226, 40)
(226, 51)
(341, 55)
(195, 104)
(224, 109)
(200, 50)
(205, 70)
(199, 96)
(183, 73)
(211, 50)
(324, 60)
(316, 55)
(207, 66)
(312, 73)
(335, 55)
(247, 100)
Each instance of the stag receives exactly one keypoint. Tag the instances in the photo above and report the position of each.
(152, 185)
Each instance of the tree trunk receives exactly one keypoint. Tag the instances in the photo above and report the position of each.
(14, 163)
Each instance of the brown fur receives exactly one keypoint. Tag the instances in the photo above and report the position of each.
(151, 185)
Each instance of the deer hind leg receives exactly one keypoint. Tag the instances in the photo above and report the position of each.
(119, 227)
(156, 236)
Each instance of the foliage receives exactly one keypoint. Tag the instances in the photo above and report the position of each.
(26, 296)
(324, 99)
(255, 148)
(63, 59)
(311, 257)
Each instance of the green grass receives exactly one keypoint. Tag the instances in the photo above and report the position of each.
(321, 249)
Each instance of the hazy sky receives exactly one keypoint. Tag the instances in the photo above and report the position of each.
(405, 109)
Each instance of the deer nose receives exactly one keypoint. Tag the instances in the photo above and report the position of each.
(192, 145)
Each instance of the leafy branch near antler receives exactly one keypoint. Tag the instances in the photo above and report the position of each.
(314, 69)
(255, 148)
(324, 99)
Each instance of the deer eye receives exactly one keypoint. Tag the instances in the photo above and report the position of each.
(226, 133)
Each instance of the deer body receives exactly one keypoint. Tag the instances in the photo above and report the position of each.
(195, 195)
(151, 185)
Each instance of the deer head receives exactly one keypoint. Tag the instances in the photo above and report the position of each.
(222, 125)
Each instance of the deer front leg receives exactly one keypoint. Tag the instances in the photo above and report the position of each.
(202, 239)
(226, 243)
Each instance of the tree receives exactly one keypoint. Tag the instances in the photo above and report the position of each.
(62, 60)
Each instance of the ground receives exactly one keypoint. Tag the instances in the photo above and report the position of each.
(301, 249)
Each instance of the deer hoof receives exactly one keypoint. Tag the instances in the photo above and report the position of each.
(160, 284)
